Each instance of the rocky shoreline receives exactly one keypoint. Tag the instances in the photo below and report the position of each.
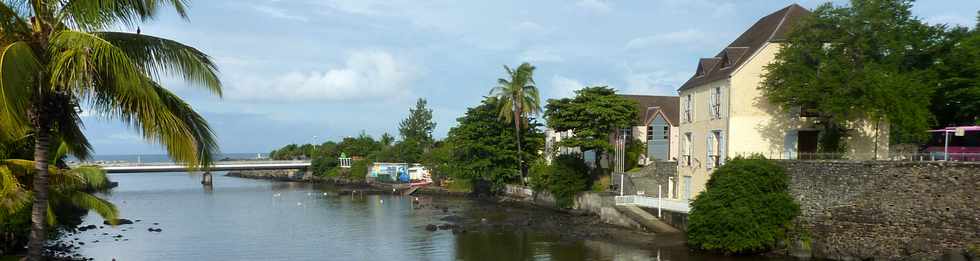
(493, 213)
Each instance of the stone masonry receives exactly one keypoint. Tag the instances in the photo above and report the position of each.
(887, 210)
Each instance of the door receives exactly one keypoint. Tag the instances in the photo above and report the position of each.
(807, 144)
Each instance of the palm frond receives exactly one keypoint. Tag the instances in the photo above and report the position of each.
(93, 176)
(18, 70)
(88, 201)
(202, 134)
(78, 58)
(100, 14)
(159, 56)
(13, 197)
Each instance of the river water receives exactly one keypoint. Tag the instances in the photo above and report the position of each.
(243, 219)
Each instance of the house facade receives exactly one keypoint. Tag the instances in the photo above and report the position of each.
(723, 114)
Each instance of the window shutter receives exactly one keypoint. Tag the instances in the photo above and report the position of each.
(721, 148)
(709, 151)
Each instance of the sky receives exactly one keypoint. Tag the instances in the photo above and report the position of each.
(301, 71)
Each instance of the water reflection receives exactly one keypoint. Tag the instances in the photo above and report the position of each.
(243, 219)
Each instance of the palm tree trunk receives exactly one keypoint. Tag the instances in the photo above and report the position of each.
(520, 151)
(39, 210)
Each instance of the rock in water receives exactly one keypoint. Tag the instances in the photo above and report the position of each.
(445, 226)
(121, 221)
(431, 227)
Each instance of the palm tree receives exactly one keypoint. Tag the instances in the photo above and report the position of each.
(518, 100)
(57, 55)
(69, 187)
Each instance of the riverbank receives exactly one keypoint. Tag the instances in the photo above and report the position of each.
(495, 212)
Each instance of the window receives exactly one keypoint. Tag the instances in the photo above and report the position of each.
(715, 149)
(687, 109)
(688, 148)
(715, 103)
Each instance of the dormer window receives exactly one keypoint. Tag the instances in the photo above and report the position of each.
(724, 60)
(700, 72)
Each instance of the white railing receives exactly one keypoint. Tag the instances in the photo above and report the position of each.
(674, 205)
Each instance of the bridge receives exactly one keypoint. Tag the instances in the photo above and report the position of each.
(130, 167)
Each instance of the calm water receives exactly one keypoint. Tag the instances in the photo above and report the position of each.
(242, 219)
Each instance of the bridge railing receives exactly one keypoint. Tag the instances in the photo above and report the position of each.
(230, 162)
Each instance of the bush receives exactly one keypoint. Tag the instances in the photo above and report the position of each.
(359, 169)
(745, 209)
(567, 176)
(602, 184)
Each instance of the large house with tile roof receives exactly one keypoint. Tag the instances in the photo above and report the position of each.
(723, 113)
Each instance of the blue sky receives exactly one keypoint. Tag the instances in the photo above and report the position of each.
(294, 69)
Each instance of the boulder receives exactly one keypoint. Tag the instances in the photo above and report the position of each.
(121, 221)
(431, 227)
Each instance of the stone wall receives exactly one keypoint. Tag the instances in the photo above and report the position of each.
(886, 210)
(650, 176)
(599, 204)
(278, 174)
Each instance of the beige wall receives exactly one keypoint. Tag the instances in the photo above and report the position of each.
(701, 125)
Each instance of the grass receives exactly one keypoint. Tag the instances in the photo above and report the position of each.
(459, 186)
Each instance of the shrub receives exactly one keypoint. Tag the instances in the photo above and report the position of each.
(567, 176)
(602, 184)
(359, 169)
(745, 209)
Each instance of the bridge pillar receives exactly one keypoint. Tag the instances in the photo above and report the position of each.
(206, 179)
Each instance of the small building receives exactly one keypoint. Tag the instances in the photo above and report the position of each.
(656, 127)
(399, 172)
(389, 172)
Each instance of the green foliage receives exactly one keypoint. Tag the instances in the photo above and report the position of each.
(634, 149)
(592, 115)
(746, 208)
(956, 75)
(518, 101)
(417, 128)
(483, 146)
(863, 61)
(439, 160)
(359, 169)
(567, 176)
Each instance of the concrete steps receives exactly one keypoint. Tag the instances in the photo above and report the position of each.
(647, 220)
(410, 191)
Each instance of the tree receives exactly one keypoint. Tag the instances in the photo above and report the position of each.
(483, 147)
(56, 56)
(71, 188)
(518, 101)
(956, 75)
(362, 145)
(592, 116)
(419, 125)
(386, 140)
(863, 61)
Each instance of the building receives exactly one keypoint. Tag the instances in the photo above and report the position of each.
(723, 113)
(656, 127)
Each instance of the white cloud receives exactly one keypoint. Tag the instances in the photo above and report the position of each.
(541, 56)
(364, 75)
(597, 6)
(278, 13)
(563, 87)
(676, 37)
(952, 20)
(654, 83)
